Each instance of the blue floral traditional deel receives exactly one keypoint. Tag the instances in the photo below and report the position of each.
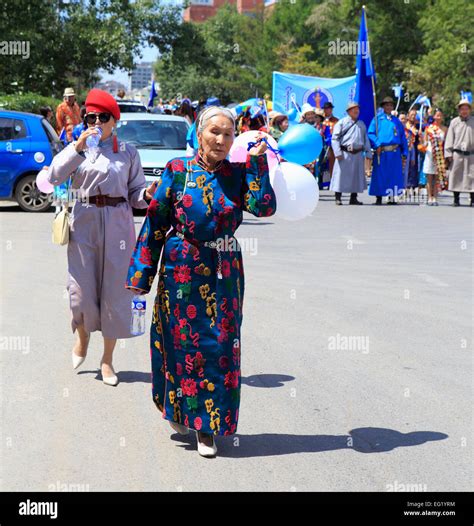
(195, 335)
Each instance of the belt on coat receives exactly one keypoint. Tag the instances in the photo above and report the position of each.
(196, 242)
(354, 151)
(105, 200)
(390, 148)
(463, 152)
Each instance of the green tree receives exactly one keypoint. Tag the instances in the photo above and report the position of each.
(216, 58)
(70, 41)
(447, 67)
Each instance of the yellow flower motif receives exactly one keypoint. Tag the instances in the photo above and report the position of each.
(210, 386)
(138, 274)
(254, 186)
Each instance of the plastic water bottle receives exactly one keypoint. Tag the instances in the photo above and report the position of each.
(93, 140)
(138, 315)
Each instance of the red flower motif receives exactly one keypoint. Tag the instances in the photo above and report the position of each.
(179, 369)
(177, 165)
(152, 208)
(145, 256)
(187, 200)
(173, 254)
(198, 423)
(223, 362)
(188, 385)
(226, 269)
(182, 274)
(231, 380)
(235, 303)
(191, 311)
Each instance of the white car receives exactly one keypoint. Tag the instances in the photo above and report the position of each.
(131, 106)
(158, 139)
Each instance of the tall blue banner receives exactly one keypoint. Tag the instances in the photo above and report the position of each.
(365, 74)
(292, 91)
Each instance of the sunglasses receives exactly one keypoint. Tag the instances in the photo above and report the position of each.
(92, 117)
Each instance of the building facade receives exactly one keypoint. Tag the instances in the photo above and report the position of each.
(200, 10)
(141, 75)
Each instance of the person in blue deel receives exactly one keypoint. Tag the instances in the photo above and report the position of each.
(387, 137)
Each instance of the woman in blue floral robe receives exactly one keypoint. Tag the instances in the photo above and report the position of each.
(195, 333)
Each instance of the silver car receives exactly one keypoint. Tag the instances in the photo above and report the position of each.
(158, 138)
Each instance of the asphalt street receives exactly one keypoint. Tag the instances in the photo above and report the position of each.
(357, 364)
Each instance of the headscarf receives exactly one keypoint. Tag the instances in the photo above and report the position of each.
(210, 112)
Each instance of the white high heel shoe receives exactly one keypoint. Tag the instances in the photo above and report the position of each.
(109, 380)
(77, 360)
(206, 451)
(179, 428)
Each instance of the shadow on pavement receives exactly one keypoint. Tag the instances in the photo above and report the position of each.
(362, 440)
(126, 377)
(266, 380)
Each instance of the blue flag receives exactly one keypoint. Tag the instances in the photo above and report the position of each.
(291, 91)
(63, 136)
(365, 75)
(466, 95)
(422, 100)
(398, 91)
(153, 94)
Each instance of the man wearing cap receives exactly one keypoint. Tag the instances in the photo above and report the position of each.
(109, 181)
(387, 137)
(328, 126)
(350, 144)
(459, 152)
(68, 114)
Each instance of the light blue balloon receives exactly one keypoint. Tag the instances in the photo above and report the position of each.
(300, 144)
(292, 114)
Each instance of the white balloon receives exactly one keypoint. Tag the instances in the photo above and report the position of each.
(296, 191)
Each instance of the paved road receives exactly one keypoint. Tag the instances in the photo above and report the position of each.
(357, 364)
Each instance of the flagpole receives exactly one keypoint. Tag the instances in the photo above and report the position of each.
(373, 82)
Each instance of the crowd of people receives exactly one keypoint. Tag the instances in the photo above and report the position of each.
(407, 158)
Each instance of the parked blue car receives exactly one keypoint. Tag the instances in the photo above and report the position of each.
(27, 143)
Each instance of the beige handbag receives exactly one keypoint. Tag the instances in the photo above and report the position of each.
(61, 223)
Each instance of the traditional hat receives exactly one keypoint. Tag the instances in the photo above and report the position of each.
(328, 105)
(306, 108)
(99, 100)
(352, 105)
(387, 100)
(69, 92)
(464, 101)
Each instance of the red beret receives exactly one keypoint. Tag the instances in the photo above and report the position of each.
(98, 100)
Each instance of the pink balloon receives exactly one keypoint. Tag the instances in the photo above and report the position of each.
(238, 152)
(42, 181)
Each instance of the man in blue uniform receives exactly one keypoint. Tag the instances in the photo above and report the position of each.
(387, 137)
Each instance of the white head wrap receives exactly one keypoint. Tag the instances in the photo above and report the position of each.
(210, 112)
